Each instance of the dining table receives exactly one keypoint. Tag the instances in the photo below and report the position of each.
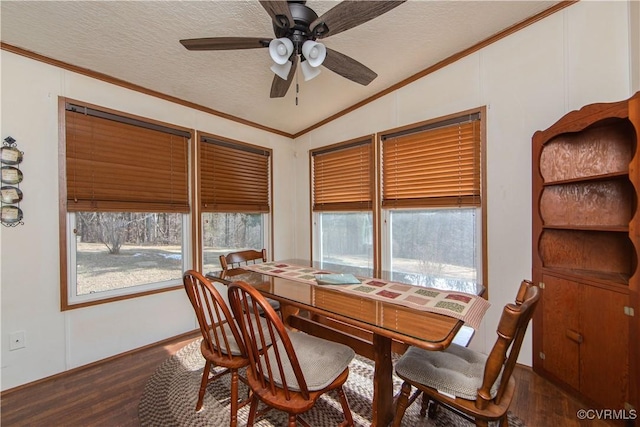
(377, 317)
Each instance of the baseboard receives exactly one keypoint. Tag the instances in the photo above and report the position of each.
(195, 333)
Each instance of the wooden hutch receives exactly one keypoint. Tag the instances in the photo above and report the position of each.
(586, 241)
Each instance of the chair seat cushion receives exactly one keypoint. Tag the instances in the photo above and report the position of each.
(233, 345)
(321, 361)
(456, 370)
(274, 304)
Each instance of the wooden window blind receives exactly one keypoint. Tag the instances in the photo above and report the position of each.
(233, 177)
(342, 177)
(120, 164)
(434, 166)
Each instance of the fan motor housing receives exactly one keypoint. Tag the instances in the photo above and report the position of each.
(303, 16)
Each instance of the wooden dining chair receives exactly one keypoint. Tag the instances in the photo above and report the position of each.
(474, 385)
(293, 373)
(250, 256)
(222, 343)
(240, 258)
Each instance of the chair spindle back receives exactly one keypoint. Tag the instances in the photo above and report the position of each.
(249, 307)
(504, 354)
(238, 259)
(214, 317)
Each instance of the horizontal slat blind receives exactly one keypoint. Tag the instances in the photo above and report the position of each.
(437, 167)
(117, 166)
(342, 178)
(234, 177)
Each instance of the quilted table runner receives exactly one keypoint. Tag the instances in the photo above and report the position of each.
(459, 305)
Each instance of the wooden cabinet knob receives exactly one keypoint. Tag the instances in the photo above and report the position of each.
(574, 336)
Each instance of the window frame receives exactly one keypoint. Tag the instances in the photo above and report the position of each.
(75, 300)
(385, 236)
(380, 215)
(354, 204)
(198, 209)
(68, 294)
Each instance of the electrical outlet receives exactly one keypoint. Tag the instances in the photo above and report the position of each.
(17, 340)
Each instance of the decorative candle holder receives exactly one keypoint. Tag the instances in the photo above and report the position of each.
(10, 193)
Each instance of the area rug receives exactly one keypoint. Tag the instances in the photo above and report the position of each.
(169, 399)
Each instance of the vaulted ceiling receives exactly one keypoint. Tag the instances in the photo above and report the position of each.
(137, 42)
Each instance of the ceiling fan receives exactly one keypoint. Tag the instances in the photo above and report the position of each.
(296, 28)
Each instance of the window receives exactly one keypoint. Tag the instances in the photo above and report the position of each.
(126, 205)
(411, 207)
(224, 232)
(234, 197)
(427, 245)
(342, 198)
(346, 240)
(431, 200)
(118, 250)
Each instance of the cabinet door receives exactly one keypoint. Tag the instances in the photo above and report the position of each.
(604, 356)
(560, 321)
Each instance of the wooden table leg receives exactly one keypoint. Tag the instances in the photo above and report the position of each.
(287, 310)
(382, 406)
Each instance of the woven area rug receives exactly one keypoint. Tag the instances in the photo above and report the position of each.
(169, 399)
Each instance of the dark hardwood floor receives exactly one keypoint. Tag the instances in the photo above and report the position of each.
(107, 394)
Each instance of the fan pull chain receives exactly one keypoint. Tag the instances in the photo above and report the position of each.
(297, 89)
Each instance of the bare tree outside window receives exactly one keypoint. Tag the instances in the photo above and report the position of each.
(122, 249)
(224, 232)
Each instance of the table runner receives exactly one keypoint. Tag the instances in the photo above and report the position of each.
(459, 305)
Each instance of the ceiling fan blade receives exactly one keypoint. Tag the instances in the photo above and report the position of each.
(225, 43)
(279, 87)
(279, 12)
(348, 67)
(349, 14)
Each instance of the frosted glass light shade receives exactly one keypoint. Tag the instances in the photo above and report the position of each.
(308, 71)
(280, 50)
(282, 70)
(315, 53)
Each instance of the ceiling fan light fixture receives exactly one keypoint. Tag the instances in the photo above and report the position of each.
(296, 27)
(282, 70)
(309, 71)
(280, 50)
(315, 53)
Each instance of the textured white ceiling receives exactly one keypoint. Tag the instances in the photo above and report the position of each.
(137, 41)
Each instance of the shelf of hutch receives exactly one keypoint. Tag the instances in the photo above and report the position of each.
(607, 203)
(615, 281)
(599, 251)
(586, 236)
(619, 229)
(605, 176)
(601, 148)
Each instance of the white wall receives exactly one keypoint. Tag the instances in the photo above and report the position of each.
(528, 80)
(57, 341)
